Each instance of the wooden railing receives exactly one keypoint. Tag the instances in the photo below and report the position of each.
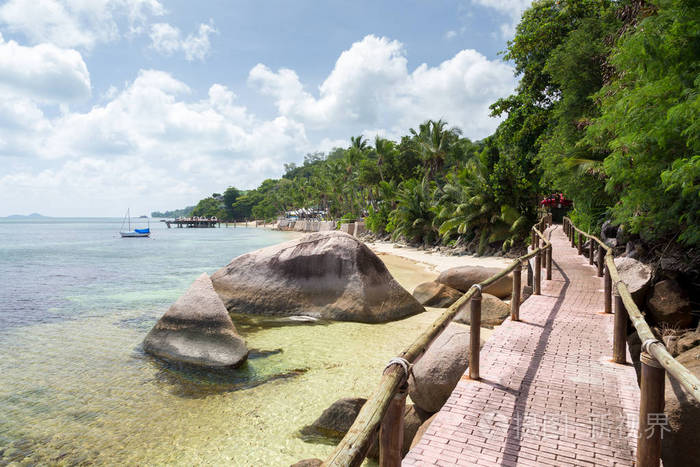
(655, 358)
(385, 408)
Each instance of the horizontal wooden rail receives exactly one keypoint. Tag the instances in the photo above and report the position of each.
(352, 449)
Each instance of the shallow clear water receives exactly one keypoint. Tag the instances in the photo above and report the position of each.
(75, 303)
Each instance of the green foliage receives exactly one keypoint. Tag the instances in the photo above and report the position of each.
(414, 213)
(377, 219)
(209, 207)
(184, 212)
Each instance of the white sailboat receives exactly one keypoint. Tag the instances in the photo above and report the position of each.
(136, 233)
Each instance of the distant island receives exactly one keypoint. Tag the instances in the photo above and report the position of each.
(21, 216)
(184, 212)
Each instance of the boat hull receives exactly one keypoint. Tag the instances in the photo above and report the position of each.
(134, 234)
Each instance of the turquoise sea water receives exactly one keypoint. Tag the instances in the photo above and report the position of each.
(76, 300)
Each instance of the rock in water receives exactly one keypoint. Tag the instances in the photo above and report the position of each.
(197, 330)
(636, 275)
(669, 305)
(329, 275)
(493, 311)
(463, 277)
(438, 371)
(436, 295)
(336, 420)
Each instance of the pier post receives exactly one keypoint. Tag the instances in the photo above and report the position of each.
(651, 409)
(601, 260)
(620, 330)
(590, 253)
(474, 334)
(391, 430)
(549, 263)
(538, 274)
(607, 291)
(515, 296)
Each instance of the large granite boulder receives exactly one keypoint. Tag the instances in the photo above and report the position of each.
(329, 275)
(438, 371)
(463, 277)
(493, 311)
(197, 330)
(668, 304)
(436, 294)
(336, 420)
(680, 445)
(636, 275)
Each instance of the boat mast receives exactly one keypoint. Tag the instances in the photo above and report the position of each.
(128, 214)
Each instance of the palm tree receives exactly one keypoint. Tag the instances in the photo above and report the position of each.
(414, 214)
(385, 150)
(433, 142)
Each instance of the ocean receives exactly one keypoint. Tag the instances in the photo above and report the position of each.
(76, 301)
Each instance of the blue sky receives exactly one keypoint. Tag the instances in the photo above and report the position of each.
(148, 104)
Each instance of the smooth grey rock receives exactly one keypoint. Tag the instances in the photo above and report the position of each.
(463, 277)
(493, 311)
(197, 330)
(436, 295)
(636, 275)
(608, 231)
(438, 371)
(328, 275)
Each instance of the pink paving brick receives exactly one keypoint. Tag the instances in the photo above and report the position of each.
(548, 394)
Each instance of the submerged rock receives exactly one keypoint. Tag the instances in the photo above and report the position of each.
(438, 371)
(329, 275)
(493, 311)
(436, 295)
(336, 420)
(197, 330)
(463, 277)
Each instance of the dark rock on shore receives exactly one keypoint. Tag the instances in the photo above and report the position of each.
(669, 305)
(436, 295)
(197, 330)
(329, 275)
(680, 444)
(463, 277)
(493, 312)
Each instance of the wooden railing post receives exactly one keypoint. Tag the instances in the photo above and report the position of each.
(573, 237)
(652, 420)
(474, 334)
(533, 239)
(601, 260)
(580, 243)
(549, 263)
(590, 252)
(538, 275)
(607, 290)
(515, 296)
(620, 330)
(391, 430)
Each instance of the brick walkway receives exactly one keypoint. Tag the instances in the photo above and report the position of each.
(549, 394)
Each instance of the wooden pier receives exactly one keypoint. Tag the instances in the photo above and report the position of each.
(193, 223)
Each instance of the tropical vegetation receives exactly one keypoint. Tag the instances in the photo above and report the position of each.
(606, 111)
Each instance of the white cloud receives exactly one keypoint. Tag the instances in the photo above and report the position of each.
(44, 72)
(77, 23)
(371, 87)
(165, 39)
(511, 8)
(451, 34)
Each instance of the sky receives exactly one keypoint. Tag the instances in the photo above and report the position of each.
(152, 104)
